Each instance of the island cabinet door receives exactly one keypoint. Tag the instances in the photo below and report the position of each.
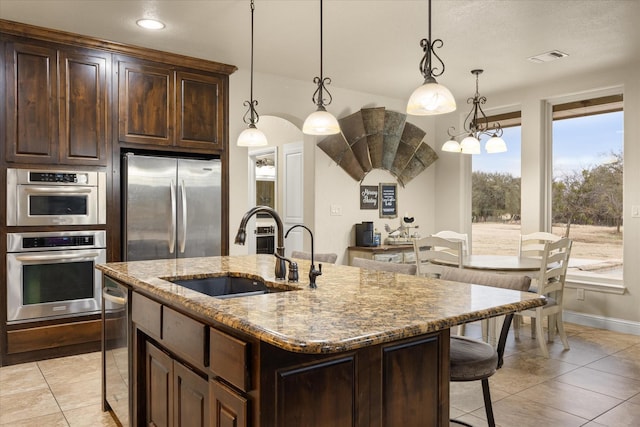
(415, 379)
(319, 394)
(159, 387)
(190, 398)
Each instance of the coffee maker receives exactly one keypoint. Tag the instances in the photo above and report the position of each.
(365, 234)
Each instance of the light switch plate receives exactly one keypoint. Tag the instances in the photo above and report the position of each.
(635, 211)
(336, 210)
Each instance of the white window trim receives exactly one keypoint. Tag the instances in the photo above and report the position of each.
(584, 280)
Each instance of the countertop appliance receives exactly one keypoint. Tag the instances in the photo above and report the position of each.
(116, 359)
(172, 207)
(365, 234)
(55, 197)
(52, 274)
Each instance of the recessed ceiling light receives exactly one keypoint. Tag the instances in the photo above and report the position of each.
(548, 56)
(150, 24)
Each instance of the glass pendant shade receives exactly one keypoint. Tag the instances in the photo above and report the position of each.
(252, 137)
(451, 146)
(321, 122)
(495, 144)
(470, 145)
(430, 99)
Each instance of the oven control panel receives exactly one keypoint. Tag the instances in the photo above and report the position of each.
(58, 241)
(58, 177)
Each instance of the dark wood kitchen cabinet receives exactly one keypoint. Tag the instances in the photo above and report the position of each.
(175, 395)
(56, 104)
(161, 105)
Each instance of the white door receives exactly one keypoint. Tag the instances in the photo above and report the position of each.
(293, 195)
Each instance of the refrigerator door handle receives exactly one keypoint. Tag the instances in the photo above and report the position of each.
(172, 223)
(183, 199)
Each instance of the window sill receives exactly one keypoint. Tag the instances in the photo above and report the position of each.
(595, 282)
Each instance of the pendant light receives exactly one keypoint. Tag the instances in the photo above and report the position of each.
(251, 136)
(431, 98)
(321, 122)
(475, 125)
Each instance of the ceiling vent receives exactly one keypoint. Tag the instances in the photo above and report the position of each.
(548, 56)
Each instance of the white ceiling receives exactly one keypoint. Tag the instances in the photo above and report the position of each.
(369, 45)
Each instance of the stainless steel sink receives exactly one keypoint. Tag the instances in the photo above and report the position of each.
(228, 286)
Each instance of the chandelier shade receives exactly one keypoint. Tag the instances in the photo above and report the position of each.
(475, 126)
(431, 98)
(251, 136)
(321, 122)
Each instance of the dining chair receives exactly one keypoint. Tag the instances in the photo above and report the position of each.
(326, 257)
(454, 235)
(432, 252)
(472, 359)
(532, 245)
(550, 283)
(496, 280)
(392, 267)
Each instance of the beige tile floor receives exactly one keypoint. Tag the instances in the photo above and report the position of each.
(596, 383)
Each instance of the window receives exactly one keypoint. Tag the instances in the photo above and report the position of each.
(495, 203)
(587, 160)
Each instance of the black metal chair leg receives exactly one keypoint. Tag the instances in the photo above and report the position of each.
(487, 402)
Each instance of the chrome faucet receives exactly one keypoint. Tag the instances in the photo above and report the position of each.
(241, 237)
(313, 273)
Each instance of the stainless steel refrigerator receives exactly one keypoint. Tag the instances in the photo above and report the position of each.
(172, 207)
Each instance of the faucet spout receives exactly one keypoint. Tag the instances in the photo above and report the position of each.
(313, 272)
(241, 236)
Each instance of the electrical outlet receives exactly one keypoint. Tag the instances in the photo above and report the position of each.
(336, 210)
(635, 211)
(580, 294)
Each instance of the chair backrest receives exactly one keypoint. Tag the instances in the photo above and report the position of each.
(392, 267)
(454, 235)
(327, 257)
(532, 245)
(432, 248)
(505, 281)
(555, 260)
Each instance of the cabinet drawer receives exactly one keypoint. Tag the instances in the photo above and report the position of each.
(185, 336)
(228, 357)
(146, 314)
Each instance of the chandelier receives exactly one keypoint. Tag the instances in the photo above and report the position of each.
(431, 98)
(251, 136)
(476, 124)
(321, 122)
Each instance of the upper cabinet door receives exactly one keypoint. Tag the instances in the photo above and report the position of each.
(84, 107)
(31, 103)
(145, 103)
(200, 111)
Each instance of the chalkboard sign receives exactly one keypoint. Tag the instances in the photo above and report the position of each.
(368, 197)
(388, 200)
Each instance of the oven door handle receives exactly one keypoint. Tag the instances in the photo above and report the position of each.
(108, 295)
(57, 190)
(172, 225)
(56, 257)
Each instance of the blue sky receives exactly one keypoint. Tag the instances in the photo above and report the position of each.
(578, 143)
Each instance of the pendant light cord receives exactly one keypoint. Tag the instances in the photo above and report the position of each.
(252, 114)
(321, 40)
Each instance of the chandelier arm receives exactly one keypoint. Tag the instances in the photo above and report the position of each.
(452, 133)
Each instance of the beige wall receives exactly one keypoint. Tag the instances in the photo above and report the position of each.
(325, 182)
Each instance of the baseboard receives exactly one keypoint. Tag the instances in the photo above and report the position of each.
(601, 322)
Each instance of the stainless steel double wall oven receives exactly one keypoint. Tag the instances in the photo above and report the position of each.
(51, 274)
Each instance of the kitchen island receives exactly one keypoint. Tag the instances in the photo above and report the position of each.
(365, 348)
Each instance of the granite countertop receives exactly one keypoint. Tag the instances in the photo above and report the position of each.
(351, 308)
